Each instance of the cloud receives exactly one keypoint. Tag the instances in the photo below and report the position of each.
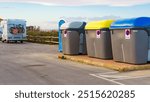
(7, 7)
(88, 19)
(49, 25)
(44, 25)
(83, 2)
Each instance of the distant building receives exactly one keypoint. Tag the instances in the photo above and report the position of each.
(1, 19)
(32, 28)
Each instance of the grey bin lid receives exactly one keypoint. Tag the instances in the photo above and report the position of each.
(73, 25)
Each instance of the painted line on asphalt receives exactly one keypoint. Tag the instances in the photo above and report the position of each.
(108, 73)
(114, 76)
(100, 77)
(130, 78)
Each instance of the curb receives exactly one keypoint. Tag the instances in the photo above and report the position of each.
(121, 67)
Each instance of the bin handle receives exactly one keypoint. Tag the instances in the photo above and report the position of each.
(112, 32)
(86, 32)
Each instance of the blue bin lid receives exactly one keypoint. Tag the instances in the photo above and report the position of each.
(140, 22)
(61, 22)
(74, 25)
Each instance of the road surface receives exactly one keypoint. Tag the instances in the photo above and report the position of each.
(37, 64)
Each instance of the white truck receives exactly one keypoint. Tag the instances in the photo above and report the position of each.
(13, 30)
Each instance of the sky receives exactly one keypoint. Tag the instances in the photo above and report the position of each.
(47, 13)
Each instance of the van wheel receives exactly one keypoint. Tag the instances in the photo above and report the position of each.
(3, 41)
(21, 41)
(15, 41)
(7, 41)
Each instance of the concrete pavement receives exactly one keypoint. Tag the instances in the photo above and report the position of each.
(37, 64)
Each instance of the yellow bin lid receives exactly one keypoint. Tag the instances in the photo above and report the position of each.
(99, 24)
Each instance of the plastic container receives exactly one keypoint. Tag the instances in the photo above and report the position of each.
(131, 41)
(73, 37)
(98, 39)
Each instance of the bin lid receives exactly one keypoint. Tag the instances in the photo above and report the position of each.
(73, 25)
(99, 24)
(140, 22)
(60, 23)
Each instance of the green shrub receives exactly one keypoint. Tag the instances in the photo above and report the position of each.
(39, 36)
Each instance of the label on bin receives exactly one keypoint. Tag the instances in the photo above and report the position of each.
(65, 33)
(127, 33)
(98, 34)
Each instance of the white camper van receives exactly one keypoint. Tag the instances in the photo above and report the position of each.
(0, 32)
(13, 30)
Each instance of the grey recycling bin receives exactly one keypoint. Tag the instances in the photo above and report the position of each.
(131, 40)
(98, 39)
(73, 38)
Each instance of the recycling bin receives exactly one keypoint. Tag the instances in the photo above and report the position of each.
(73, 38)
(131, 40)
(59, 35)
(98, 39)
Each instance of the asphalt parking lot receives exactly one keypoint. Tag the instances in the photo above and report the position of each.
(37, 64)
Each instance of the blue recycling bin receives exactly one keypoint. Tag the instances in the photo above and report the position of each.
(131, 40)
(60, 48)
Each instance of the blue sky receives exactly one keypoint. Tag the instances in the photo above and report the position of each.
(47, 16)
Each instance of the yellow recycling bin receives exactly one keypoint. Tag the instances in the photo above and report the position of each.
(98, 39)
